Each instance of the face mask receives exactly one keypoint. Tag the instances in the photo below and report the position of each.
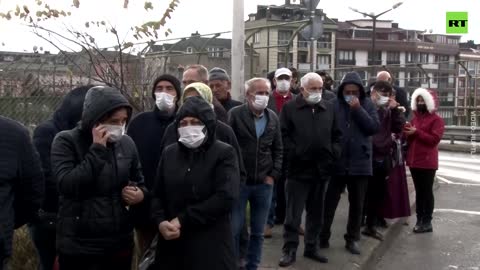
(382, 100)
(116, 132)
(422, 108)
(283, 86)
(314, 98)
(192, 136)
(164, 101)
(348, 98)
(260, 102)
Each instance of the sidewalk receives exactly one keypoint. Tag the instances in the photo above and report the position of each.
(339, 258)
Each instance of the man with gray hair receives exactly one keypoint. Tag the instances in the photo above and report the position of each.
(220, 83)
(258, 132)
(312, 145)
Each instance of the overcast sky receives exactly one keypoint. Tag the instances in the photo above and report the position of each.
(211, 16)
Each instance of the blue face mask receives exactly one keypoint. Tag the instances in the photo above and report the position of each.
(348, 98)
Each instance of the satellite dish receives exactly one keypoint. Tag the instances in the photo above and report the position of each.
(430, 31)
(317, 31)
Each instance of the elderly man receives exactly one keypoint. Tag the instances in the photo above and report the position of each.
(258, 132)
(400, 93)
(199, 73)
(220, 83)
(312, 144)
(358, 120)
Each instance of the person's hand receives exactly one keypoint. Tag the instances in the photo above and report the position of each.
(168, 230)
(354, 103)
(392, 103)
(176, 222)
(100, 135)
(132, 195)
(269, 180)
(409, 130)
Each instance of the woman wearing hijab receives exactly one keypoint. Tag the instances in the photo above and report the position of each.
(195, 187)
(100, 183)
(423, 136)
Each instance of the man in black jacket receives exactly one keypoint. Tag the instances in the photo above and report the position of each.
(21, 183)
(258, 132)
(64, 118)
(312, 143)
(400, 93)
(220, 83)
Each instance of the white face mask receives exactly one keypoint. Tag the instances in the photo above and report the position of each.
(283, 86)
(116, 132)
(192, 136)
(260, 102)
(164, 101)
(381, 100)
(314, 98)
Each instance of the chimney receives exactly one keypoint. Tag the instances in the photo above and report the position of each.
(394, 25)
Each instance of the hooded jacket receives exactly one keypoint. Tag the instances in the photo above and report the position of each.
(65, 117)
(199, 186)
(93, 218)
(147, 130)
(224, 132)
(423, 144)
(21, 181)
(358, 126)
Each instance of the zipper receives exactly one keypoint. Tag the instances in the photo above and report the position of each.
(256, 156)
(349, 139)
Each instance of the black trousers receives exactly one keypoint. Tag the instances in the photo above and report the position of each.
(281, 205)
(423, 180)
(95, 262)
(357, 187)
(376, 191)
(309, 196)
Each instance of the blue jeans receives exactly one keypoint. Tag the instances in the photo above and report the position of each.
(271, 210)
(260, 197)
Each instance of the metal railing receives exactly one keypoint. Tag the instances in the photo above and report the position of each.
(461, 133)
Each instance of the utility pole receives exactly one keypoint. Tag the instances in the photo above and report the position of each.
(238, 50)
(313, 41)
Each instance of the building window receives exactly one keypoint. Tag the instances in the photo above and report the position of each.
(435, 78)
(423, 57)
(215, 52)
(441, 58)
(393, 37)
(302, 57)
(378, 57)
(189, 50)
(393, 58)
(346, 55)
(325, 41)
(452, 41)
(281, 59)
(450, 97)
(284, 37)
(411, 57)
(323, 59)
(442, 39)
(256, 38)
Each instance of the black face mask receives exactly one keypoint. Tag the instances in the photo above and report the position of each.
(421, 108)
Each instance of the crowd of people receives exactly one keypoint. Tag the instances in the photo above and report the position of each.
(202, 178)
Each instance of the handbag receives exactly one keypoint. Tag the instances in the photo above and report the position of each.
(148, 259)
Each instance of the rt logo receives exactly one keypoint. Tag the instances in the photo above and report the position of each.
(457, 22)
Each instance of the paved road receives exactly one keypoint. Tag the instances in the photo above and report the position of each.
(455, 243)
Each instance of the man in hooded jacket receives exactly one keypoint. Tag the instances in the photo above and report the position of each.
(147, 130)
(66, 117)
(358, 120)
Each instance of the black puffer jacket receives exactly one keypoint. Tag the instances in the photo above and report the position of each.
(21, 181)
(262, 157)
(199, 186)
(311, 138)
(64, 118)
(93, 219)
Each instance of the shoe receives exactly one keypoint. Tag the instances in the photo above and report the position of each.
(301, 231)
(372, 232)
(287, 259)
(418, 226)
(425, 228)
(268, 232)
(382, 223)
(324, 244)
(316, 256)
(353, 247)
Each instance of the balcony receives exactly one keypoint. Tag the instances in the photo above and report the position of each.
(282, 42)
(302, 44)
(446, 66)
(350, 62)
(324, 45)
(393, 62)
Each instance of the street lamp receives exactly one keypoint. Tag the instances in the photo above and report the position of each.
(374, 19)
